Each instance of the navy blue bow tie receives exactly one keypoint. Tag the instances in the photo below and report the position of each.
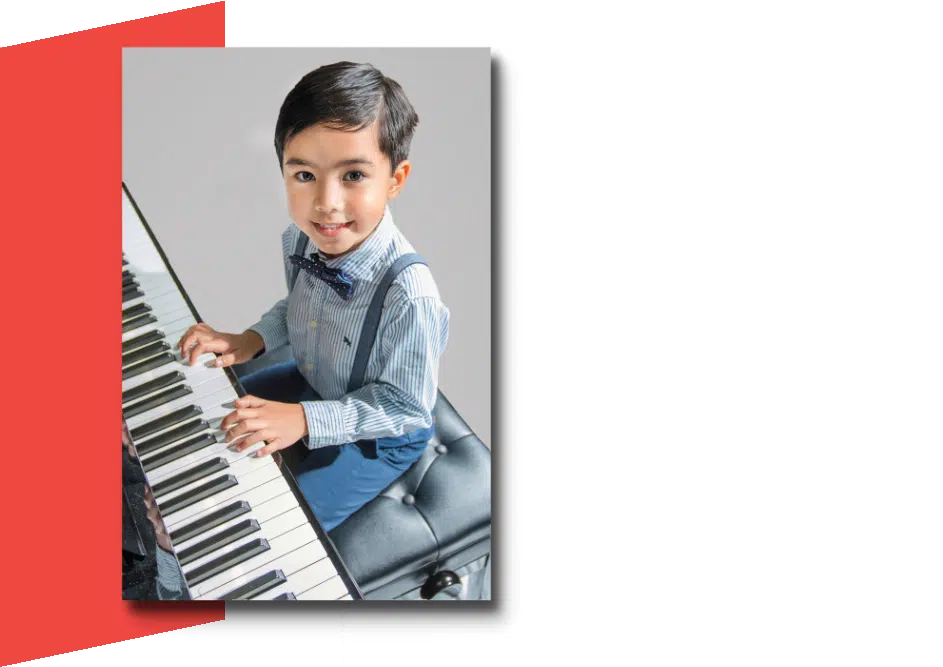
(338, 279)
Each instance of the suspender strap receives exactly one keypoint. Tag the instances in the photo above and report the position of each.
(371, 323)
(299, 250)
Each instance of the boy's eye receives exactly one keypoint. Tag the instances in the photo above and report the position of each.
(304, 176)
(354, 176)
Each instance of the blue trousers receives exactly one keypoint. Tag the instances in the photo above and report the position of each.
(336, 480)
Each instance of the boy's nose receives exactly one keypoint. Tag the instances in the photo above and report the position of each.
(328, 198)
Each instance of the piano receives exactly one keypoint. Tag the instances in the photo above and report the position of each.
(210, 523)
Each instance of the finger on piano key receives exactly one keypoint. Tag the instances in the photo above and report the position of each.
(248, 570)
(307, 577)
(203, 363)
(332, 589)
(249, 482)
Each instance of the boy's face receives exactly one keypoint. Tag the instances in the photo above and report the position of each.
(338, 183)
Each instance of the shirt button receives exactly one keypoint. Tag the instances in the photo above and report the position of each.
(310, 367)
(314, 325)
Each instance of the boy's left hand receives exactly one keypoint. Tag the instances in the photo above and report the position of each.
(281, 424)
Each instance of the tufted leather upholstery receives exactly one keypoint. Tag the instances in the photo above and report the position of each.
(436, 516)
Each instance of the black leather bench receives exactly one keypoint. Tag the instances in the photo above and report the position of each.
(428, 528)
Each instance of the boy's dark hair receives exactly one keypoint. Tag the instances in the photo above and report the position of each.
(349, 96)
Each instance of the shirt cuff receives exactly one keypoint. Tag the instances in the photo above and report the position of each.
(273, 336)
(325, 421)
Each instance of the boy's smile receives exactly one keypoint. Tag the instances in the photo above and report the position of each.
(338, 183)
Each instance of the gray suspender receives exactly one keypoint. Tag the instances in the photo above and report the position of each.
(371, 324)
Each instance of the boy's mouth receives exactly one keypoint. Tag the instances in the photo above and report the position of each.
(331, 230)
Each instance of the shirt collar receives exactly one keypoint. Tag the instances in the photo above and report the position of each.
(360, 262)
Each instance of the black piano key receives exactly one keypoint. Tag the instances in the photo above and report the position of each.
(197, 494)
(210, 521)
(189, 476)
(257, 586)
(179, 451)
(223, 563)
(124, 262)
(126, 278)
(174, 418)
(134, 311)
(143, 353)
(137, 323)
(127, 295)
(172, 436)
(145, 366)
(156, 401)
(133, 286)
(143, 339)
(218, 541)
(286, 596)
(158, 383)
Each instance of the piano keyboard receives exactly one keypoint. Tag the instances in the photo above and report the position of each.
(239, 527)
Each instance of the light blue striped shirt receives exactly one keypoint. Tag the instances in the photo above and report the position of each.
(401, 381)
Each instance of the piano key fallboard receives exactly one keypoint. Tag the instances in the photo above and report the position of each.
(236, 525)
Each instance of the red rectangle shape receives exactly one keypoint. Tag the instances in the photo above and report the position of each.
(61, 205)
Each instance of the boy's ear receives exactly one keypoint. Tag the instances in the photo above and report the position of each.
(398, 180)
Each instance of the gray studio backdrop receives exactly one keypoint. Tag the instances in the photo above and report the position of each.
(198, 128)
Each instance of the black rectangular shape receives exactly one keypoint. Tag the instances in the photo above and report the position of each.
(189, 476)
(286, 596)
(156, 401)
(128, 295)
(257, 586)
(184, 500)
(151, 386)
(223, 563)
(137, 323)
(145, 366)
(210, 521)
(175, 417)
(143, 353)
(172, 436)
(134, 311)
(218, 541)
(174, 453)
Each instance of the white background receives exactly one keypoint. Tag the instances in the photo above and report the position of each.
(721, 439)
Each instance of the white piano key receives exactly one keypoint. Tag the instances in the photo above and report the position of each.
(221, 449)
(254, 497)
(213, 392)
(171, 328)
(238, 469)
(193, 381)
(263, 512)
(167, 303)
(236, 576)
(203, 363)
(331, 589)
(271, 529)
(301, 579)
(247, 483)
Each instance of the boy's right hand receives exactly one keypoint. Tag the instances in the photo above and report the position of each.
(234, 348)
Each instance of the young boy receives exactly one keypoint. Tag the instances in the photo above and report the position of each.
(342, 140)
